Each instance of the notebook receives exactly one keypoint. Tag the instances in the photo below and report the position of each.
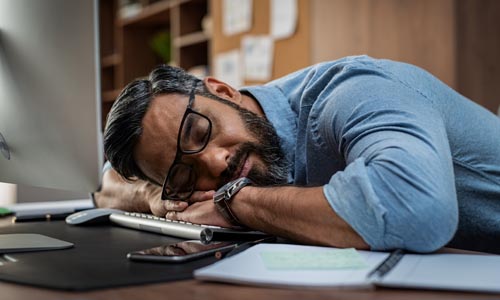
(283, 265)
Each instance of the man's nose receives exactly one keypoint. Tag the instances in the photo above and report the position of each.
(212, 161)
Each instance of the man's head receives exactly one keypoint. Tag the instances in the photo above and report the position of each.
(142, 130)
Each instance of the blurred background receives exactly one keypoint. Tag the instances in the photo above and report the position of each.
(246, 42)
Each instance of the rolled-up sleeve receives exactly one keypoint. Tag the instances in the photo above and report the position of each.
(397, 189)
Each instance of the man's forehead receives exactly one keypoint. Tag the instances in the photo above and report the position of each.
(167, 105)
(156, 147)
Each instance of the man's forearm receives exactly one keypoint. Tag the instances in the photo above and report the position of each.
(300, 214)
(120, 194)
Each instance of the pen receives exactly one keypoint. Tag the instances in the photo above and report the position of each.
(387, 264)
(242, 247)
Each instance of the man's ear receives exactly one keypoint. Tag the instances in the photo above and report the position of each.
(222, 89)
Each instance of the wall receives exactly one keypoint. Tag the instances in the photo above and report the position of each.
(417, 32)
(290, 54)
(456, 40)
(478, 44)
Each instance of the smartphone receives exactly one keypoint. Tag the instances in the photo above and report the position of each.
(181, 252)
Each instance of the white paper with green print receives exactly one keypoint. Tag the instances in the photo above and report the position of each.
(288, 265)
(332, 259)
(308, 266)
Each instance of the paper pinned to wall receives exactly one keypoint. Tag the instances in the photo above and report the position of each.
(227, 67)
(283, 18)
(258, 57)
(237, 16)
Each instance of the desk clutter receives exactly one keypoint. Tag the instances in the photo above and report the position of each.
(151, 223)
(99, 260)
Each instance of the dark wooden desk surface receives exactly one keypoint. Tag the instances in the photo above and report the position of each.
(196, 290)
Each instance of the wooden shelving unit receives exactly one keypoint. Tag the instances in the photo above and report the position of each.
(126, 52)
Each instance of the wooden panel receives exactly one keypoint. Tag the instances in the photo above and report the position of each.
(478, 51)
(289, 54)
(418, 32)
(138, 57)
(193, 55)
(190, 43)
(294, 53)
(152, 15)
(192, 13)
(107, 11)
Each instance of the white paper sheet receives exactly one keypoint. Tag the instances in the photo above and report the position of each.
(258, 57)
(237, 16)
(446, 271)
(462, 272)
(228, 68)
(283, 18)
(247, 267)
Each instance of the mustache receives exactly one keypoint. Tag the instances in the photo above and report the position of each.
(267, 149)
(235, 163)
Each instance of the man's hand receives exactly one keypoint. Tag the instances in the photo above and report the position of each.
(201, 211)
(142, 196)
(138, 196)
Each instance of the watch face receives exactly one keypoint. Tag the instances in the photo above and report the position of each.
(223, 196)
(233, 187)
(219, 196)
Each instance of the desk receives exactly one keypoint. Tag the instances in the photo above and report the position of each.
(196, 290)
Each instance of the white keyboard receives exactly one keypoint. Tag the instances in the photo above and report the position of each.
(181, 229)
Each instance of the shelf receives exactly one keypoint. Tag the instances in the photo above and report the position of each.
(154, 14)
(126, 53)
(110, 60)
(110, 96)
(190, 39)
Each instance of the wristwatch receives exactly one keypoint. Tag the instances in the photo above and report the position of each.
(224, 196)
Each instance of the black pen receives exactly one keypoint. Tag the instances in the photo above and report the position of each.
(242, 247)
(387, 264)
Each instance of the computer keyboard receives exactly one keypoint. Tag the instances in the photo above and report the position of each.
(181, 229)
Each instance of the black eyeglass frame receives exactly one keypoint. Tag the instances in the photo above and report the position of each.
(180, 152)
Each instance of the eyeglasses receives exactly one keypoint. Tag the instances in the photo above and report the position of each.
(194, 134)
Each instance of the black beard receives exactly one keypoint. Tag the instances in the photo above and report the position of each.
(267, 149)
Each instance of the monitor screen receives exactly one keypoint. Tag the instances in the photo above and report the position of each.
(50, 94)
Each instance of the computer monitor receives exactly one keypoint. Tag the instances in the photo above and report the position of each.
(50, 94)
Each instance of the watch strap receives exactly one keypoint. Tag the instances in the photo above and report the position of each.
(224, 196)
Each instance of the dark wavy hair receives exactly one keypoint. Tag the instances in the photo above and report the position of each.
(124, 121)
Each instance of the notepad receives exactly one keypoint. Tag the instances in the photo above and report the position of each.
(260, 265)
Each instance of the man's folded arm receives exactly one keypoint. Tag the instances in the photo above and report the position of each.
(137, 195)
(301, 214)
(398, 189)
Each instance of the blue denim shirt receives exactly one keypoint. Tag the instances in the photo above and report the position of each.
(404, 159)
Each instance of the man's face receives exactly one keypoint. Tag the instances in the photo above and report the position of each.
(242, 144)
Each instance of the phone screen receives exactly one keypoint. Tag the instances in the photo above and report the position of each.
(182, 251)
